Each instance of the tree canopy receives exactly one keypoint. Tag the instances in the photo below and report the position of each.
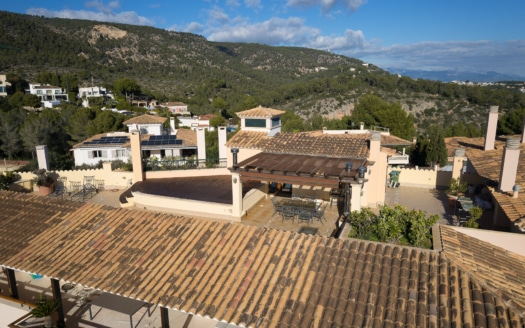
(374, 111)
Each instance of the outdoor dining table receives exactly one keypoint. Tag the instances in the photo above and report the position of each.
(300, 207)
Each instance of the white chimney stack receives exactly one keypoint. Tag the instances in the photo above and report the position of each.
(509, 165)
(492, 124)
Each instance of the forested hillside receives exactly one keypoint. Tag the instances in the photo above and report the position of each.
(318, 88)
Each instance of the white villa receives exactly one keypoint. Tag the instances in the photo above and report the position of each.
(49, 95)
(155, 141)
(95, 91)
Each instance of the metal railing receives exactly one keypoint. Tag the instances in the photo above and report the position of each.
(155, 164)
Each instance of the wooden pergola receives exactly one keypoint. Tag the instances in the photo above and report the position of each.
(308, 170)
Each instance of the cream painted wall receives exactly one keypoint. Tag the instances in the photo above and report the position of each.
(112, 179)
(184, 206)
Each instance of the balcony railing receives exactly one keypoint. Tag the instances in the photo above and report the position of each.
(154, 164)
(398, 159)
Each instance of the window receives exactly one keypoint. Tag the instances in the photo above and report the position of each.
(120, 153)
(39, 92)
(255, 123)
(97, 153)
(276, 121)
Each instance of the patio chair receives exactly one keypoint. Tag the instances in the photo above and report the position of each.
(277, 207)
(319, 213)
(288, 213)
(60, 188)
(305, 215)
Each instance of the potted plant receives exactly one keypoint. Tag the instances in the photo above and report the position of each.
(45, 182)
(44, 308)
(455, 188)
(475, 214)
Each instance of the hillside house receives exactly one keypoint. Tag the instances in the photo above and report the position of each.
(49, 95)
(155, 140)
(176, 107)
(197, 121)
(88, 92)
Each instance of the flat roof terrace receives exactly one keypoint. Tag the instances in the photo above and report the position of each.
(214, 189)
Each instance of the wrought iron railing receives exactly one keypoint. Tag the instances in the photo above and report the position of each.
(155, 164)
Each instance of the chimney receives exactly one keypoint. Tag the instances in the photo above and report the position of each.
(201, 145)
(172, 126)
(222, 143)
(509, 165)
(375, 146)
(515, 191)
(361, 125)
(492, 124)
(42, 157)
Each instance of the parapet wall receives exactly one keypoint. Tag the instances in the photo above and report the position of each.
(426, 177)
(112, 179)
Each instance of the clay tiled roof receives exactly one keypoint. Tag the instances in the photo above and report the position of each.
(391, 140)
(500, 269)
(317, 143)
(249, 140)
(250, 276)
(488, 165)
(146, 119)
(25, 216)
(260, 112)
(189, 137)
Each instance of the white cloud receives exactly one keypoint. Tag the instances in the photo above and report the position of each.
(232, 3)
(477, 56)
(104, 14)
(194, 27)
(275, 31)
(100, 6)
(217, 16)
(253, 3)
(327, 5)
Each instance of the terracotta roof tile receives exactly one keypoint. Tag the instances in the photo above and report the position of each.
(249, 140)
(145, 119)
(188, 136)
(253, 276)
(498, 268)
(260, 112)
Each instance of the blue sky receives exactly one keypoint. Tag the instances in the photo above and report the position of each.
(466, 35)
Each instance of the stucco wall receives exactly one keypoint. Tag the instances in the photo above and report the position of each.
(253, 197)
(183, 206)
(421, 177)
(112, 179)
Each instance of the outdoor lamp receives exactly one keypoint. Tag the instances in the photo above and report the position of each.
(361, 172)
